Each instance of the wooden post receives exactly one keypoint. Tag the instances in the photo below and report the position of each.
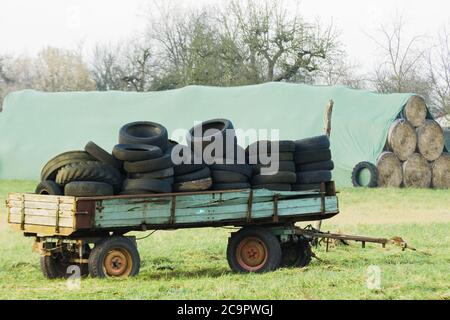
(327, 130)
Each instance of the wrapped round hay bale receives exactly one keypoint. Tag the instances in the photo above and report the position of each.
(415, 111)
(416, 172)
(430, 140)
(390, 172)
(441, 172)
(402, 139)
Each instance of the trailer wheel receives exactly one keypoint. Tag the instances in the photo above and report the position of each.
(115, 257)
(253, 250)
(296, 254)
(56, 265)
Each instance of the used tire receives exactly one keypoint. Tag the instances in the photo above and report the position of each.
(102, 155)
(244, 169)
(313, 143)
(186, 168)
(160, 174)
(90, 171)
(227, 177)
(306, 187)
(136, 152)
(313, 176)
(88, 189)
(48, 187)
(274, 186)
(266, 146)
(193, 186)
(283, 156)
(315, 166)
(279, 177)
(144, 132)
(231, 186)
(151, 165)
(282, 166)
(149, 185)
(371, 181)
(114, 257)
(320, 155)
(196, 175)
(197, 140)
(51, 168)
(296, 254)
(253, 249)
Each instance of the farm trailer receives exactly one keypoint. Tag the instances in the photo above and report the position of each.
(91, 231)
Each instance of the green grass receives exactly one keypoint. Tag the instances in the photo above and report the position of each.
(191, 264)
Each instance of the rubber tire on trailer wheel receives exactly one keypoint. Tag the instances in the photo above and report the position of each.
(144, 132)
(196, 175)
(231, 186)
(296, 254)
(220, 176)
(160, 174)
(283, 146)
(53, 266)
(279, 177)
(244, 169)
(90, 171)
(88, 189)
(102, 155)
(48, 187)
(150, 185)
(145, 166)
(282, 166)
(261, 241)
(51, 168)
(303, 157)
(136, 152)
(125, 250)
(373, 181)
(274, 186)
(313, 143)
(310, 177)
(315, 166)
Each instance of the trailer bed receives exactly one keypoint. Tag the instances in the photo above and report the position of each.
(44, 215)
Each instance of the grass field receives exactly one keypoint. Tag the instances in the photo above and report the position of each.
(191, 264)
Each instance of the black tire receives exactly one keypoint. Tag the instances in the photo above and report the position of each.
(282, 166)
(196, 142)
(313, 177)
(373, 171)
(90, 171)
(102, 155)
(102, 252)
(296, 254)
(51, 168)
(313, 143)
(231, 186)
(55, 265)
(219, 176)
(145, 166)
(88, 189)
(279, 177)
(196, 175)
(266, 146)
(149, 185)
(244, 169)
(264, 243)
(274, 186)
(136, 152)
(144, 132)
(304, 157)
(284, 156)
(193, 186)
(48, 187)
(186, 168)
(160, 174)
(306, 187)
(315, 166)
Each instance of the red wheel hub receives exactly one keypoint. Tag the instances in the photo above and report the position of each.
(251, 253)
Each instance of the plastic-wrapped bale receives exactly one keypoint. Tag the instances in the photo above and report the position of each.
(430, 140)
(415, 111)
(402, 139)
(441, 172)
(390, 172)
(416, 172)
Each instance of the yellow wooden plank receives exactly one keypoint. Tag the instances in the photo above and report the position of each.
(42, 220)
(40, 205)
(43, 230)
(41, 198)
(41, 212)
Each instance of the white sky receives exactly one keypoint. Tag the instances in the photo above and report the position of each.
(27, 26)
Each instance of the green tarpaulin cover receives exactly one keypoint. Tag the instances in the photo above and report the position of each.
(35, 126)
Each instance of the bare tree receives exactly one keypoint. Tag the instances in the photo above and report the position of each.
(107, 67)
(138, 66)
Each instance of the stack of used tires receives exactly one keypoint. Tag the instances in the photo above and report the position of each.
(313, 162)
(226, 163)
(272, 164)
(142, 148)
(93, 172)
